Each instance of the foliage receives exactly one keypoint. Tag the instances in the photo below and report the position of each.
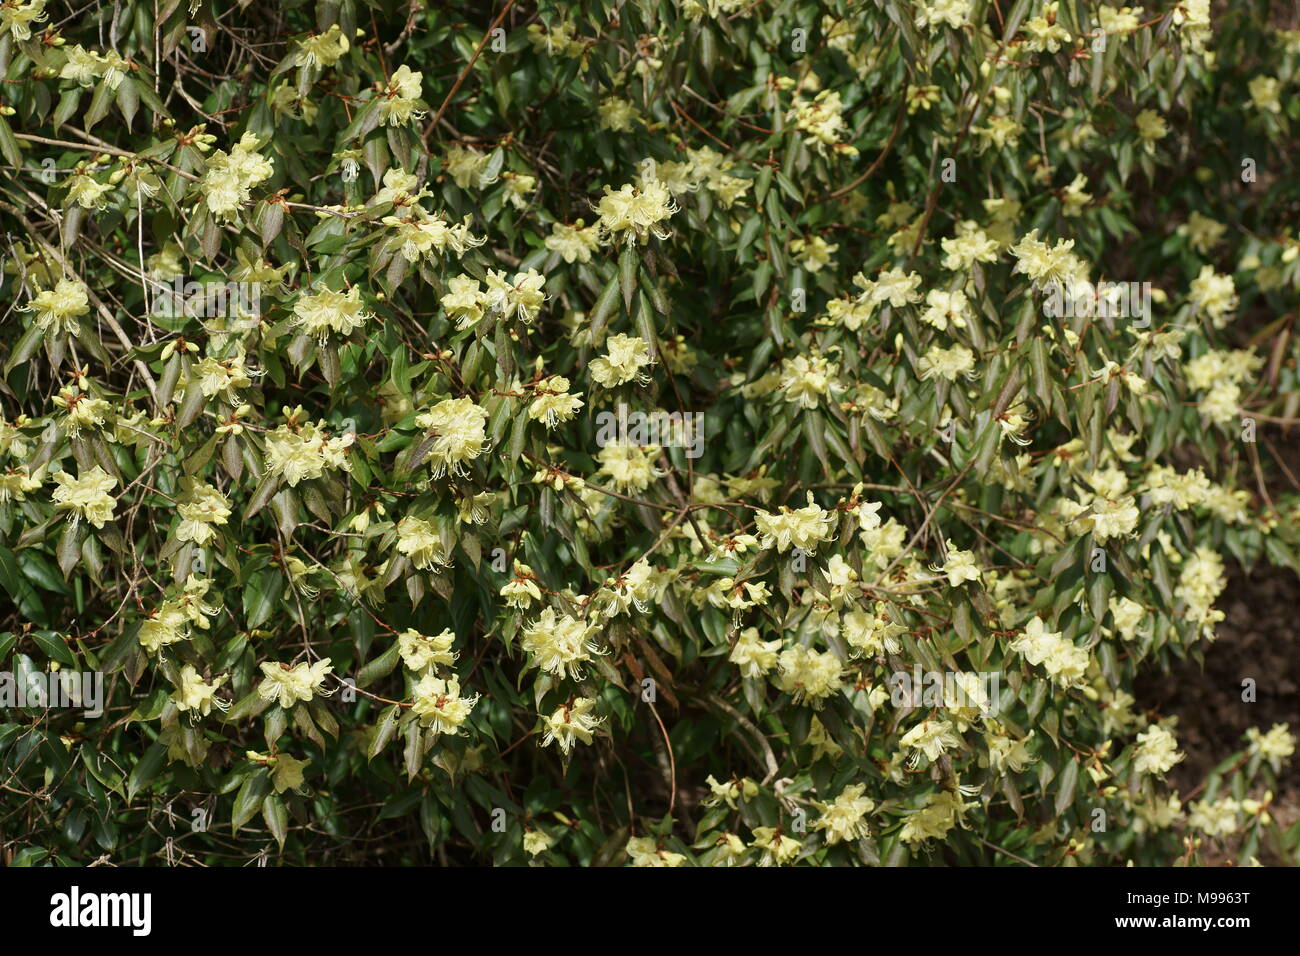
(317, 317)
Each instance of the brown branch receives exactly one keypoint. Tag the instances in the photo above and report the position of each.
(437, 117)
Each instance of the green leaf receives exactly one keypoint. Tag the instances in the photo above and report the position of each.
(9, 147)
(261, 597)
(69, 550)
(1069, 781)
(380, 667)
(191, 406)
(249, 799)
(384, 731)
(54, 647)
(628, 260)
(269, 485)
(26, 346)
(518, 436)
(604, 307)
(276, 817)
(100, 103)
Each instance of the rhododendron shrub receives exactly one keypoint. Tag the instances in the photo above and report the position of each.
(663, 432)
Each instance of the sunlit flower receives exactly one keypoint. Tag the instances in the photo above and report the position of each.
(231, 176)
(844, 818)
(322, 49)
(400, 97)
(571, 723)
(803, 528)
(934, 13)
(623, 362)
(287, 685)
(1157, 751)
(318, 314)
(202, 508)
(754, 656)
(1065, 663)
(633, 214)
(644, 851)
(421, 652)
(58, 308)
(559, 644)
(420, 541)
(86, 496)
(809, 675)
(458, 425)
(195, 694)
(438, 704)
(574, 243)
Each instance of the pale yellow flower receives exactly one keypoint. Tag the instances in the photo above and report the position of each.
(438, 704)
(195, 694)
(86, 496)
(571, 723)
(288, 685)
